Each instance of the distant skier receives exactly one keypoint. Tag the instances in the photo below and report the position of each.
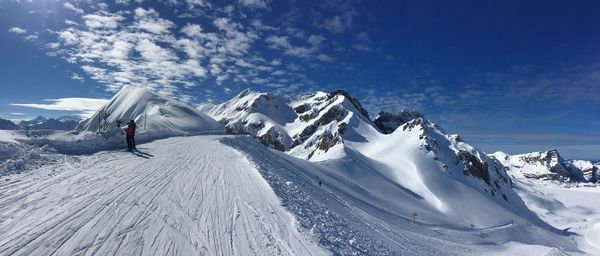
(130, 135)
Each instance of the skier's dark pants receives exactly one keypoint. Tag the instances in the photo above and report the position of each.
(130, 142)
(133, 141)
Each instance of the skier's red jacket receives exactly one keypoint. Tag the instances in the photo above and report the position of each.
(129, 130)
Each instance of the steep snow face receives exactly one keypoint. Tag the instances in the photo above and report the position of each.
(355, 205)
(261, 115)
(541, 165)
(422, 158)
(153, 113)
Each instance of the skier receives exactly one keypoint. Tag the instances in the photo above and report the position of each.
(129, 135)
(133, 135)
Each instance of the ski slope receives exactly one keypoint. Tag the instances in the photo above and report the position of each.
(182, 196)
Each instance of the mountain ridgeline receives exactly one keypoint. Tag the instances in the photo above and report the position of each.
(42, 123)
(548, 165)
(322, 126)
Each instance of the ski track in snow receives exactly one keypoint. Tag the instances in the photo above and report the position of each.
(178, 196)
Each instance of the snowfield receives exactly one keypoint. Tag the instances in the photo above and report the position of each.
(180, 196)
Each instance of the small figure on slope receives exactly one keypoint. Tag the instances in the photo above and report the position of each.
(130, 135)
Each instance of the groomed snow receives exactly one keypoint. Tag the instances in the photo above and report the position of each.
(179, 196)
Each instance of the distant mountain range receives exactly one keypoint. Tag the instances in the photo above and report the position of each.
(42, 123)
(548, 165)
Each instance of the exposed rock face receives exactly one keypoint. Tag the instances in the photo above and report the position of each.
(474, 167)
(353, 100)
(594, 175)
(388, 122)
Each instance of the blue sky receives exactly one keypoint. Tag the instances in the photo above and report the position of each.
(506, 75)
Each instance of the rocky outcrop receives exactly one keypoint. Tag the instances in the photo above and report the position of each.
(388, 122)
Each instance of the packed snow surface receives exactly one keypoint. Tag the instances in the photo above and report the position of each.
(179, 196)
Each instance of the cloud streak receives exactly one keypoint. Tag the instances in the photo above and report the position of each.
(86, 106)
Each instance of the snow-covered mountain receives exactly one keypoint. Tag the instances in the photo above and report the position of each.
(590, 169)
(42, 123)
(7, 125)
(152, 112)
(33, 122)
(61, 123)
(417, 154)
(548, 165)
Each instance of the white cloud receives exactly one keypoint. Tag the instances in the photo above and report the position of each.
(149, 20)
(52, 45)
(339, 23)
(282, 43)
(70, 6)
(136, 46)
(77, 77)
(364, 37)
(316, 40)
(254, 3)
(87, 106)
(67, 36)
(302, 52)
(17, 30)
(71, 23)
(278, 42)
(31, 38)
(102, 21)
(325, 58)
(192, 30)
(361, 47)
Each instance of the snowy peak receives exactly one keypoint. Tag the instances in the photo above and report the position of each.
(152, 112)
(458, 158)
(355, 103)
(311, 124)
(261, 115)
(249, 102)
(325, 121)
(547, 164)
